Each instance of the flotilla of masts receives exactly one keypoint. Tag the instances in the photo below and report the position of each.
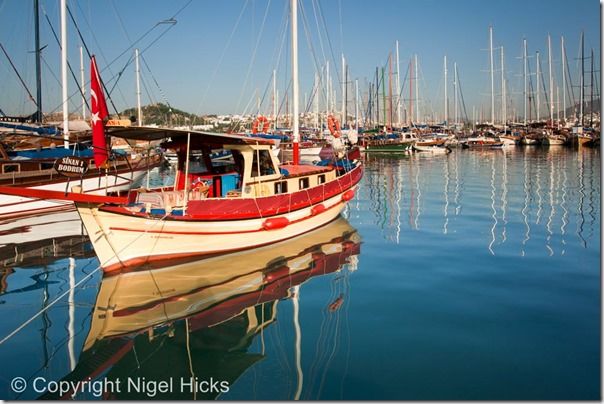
(383, 106)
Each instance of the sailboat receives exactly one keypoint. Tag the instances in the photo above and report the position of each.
(31, 154)
(220, 208)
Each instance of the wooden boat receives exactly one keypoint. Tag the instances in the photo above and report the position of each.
(530, 140)
(255, 202)
(555, 140)
(482, 142)
(387, 143)
(40, 173)
(435, 149)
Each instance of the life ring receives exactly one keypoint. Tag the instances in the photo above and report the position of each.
(333, 125)
(265, 124)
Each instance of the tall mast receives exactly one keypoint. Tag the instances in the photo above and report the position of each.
(492, 75)
(503, 103)
(455, 90)
(446, 100)
(398, 88)
(377, 97)
(316, 99)
(524, 69)
(538, 83)
(416, 89)
(551, 79)
(64, 74)
(591, 92)
(328, 90)
(275, 100)
(356, 104)
(563, 79)
(410, 91)
(384, 97)
(390, 113)
(38, 57)
(582, 85)
(138, 89)
(503, 111)
(343, 120)
(295, 89)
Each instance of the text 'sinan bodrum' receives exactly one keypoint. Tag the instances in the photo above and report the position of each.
(71, 166)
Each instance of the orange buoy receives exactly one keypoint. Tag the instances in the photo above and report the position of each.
(333, 125)
(256, 124)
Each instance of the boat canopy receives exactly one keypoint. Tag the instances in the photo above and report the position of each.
(178, 135)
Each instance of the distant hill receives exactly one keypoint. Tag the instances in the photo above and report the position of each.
(162, 114)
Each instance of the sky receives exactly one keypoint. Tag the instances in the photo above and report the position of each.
(219, 56)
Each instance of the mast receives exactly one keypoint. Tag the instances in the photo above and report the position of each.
(384, 97)
(38, 57)
(538, 83)
(503, 111)
(295, 89)
(343, 120)
(398, 88)
(377, 97)
(446, 100)
(316, 99)
(138, 90)
(456, 92)
(492, 75)
(416, 90)
(551, 79)
(410, 91)
(524, 69)
(64, 74)
(591, 91)
(274, 100)
(356, 104)
(582, 85)
(390, 114)
(563, 79)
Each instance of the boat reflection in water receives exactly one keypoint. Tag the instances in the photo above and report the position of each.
(197, 320)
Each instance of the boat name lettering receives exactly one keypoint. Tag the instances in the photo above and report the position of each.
(71, 166)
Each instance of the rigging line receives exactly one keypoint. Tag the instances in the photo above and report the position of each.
(322, 15)
(251, 63)
(224, 50)
(318, 31)
(18, 75)
(161, 92)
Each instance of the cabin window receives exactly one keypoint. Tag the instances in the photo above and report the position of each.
(265, 163)
(321, 179)
(11, 168)
(46, 166)
(281, 187)
(303, 183)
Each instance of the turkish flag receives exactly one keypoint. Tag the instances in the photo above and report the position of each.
(99, 112)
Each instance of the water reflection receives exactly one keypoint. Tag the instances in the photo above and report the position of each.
(207, 319)
(520, 199)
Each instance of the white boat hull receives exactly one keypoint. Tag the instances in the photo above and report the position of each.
(121, 240)
(14, 206)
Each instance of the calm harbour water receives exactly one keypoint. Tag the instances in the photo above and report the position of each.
(474, 275)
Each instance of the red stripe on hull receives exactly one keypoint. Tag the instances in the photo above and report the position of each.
(157, 261)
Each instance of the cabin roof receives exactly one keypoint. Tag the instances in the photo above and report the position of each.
(211, 138)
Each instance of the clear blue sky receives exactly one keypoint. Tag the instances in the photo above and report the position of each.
(205, 63)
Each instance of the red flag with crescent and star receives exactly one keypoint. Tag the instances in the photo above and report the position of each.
(98, 108)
